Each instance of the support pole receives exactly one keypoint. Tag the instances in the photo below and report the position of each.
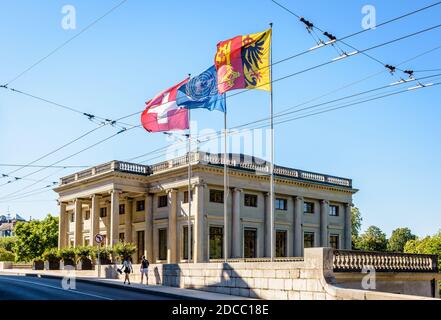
(189, 233)
(226, 253)
(272, 149)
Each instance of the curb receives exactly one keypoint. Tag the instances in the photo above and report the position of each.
(116, 286)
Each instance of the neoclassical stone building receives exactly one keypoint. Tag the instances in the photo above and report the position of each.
(148, 205)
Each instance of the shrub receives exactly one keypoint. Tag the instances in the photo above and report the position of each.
(51, 255)
(68, 255)
(8, 243)
(6, 255)
(84, 253)
(124, 249)
(105, 254)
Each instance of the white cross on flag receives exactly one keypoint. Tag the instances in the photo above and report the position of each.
(163, 114)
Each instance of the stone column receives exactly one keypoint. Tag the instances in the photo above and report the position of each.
(114, 217)
(348, 226)
(172, 227)
(149, 228)
(267, 225)
(199, 225)
(128, 221)
(62, 226)
(298, 222)
(78, 230)
(94, 219)
(235, 228)
(324, 213)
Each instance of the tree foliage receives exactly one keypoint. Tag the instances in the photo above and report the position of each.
(8, 243)
(35, 237)
(399, 238)
(124, 249)
(6, 255)
(372, 240)
(356, 220)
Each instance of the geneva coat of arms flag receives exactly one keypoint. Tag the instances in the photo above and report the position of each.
(162, 113)
(243, 62)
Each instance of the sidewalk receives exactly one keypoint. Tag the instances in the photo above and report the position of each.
(172, 292)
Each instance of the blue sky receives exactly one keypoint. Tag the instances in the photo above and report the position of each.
(389, 147)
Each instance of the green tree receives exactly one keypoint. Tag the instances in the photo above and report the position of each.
(399, 238)
(356, 220)
(35, 237)
(7, 243)
(372, 240)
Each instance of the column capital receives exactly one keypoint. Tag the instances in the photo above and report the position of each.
(238, 190)
(324, 202)
(172, 190)
(298, 198)
(200, 184)
(117, 191)
(349, 205)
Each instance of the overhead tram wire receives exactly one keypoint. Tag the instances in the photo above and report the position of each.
(91, 116)
(321, 96)
(314, 113)
(86, 28)
(291, 75)
(42, 166)
(218, 134)
(336, 39)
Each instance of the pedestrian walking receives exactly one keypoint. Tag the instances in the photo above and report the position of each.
(127, 269)
(144, 270)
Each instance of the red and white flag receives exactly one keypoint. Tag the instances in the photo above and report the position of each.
(163, 114)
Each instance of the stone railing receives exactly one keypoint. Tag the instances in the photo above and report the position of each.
(119, 166)
(356, 261)
(255, 260)
(261, 166)
(256, 165)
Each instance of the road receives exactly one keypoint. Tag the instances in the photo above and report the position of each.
(33, 288)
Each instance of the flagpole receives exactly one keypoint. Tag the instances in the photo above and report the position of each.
(271, 149)
(189, 233)
(225, 184)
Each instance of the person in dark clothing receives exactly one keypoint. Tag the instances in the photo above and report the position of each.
(144, 269)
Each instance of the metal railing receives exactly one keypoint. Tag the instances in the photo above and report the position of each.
(356, 261)
(255, 260)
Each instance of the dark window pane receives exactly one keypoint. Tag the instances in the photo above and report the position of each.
(185, 244)
(216, 196)
(250, 243)
(281, 241)
(103, 212)
(308, 207)
(281, 204)
(333, 211)
(308, 240)
(334, 241)
(121, 237)
(122, 209)
(162, 201)
(216, 242)
(162, 234)
(87, 217)
(186, 196)
(250, 200)
(140, 205)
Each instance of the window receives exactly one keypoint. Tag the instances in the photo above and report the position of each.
(140, 205)
(87, 215)
(308, 240)
(103, 212)
(72, 217)
(162, 201)
(250, 243)
(333, 211)
(308, 207)
(250, 200)
(216, 196)
(216, 242)
(122, 209)
(162, 235)
(121, 237)
(140, 244)
(87, 242)
(185, 246)
(334, 241)
(186, 196)
(282, 204)
(281, 244)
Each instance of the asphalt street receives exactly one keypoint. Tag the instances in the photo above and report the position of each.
(34, 288)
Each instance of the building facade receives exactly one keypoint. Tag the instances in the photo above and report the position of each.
(7, 224)
(148, 206)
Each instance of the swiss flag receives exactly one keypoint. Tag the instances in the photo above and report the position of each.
(163, 114)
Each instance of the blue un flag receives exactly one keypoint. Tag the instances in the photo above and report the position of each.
(201, 92)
